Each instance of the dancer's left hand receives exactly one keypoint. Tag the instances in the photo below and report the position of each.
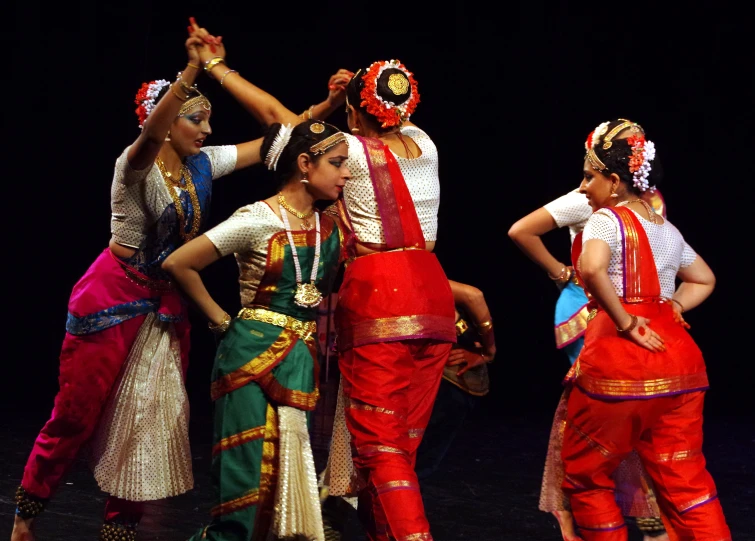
(466, 359)
(337, 87)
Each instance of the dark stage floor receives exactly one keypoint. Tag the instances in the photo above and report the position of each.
(487, 488)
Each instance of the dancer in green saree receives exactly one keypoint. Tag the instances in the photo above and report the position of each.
(265, 376)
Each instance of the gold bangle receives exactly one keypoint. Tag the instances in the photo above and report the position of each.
(631, 325)
(681, 307)
(192, 65)
(221, 327)
(176, 95)
(212, 62)
(226, 73)
(309, 112)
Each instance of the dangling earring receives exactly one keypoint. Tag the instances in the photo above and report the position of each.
(304, 179)
(614, 195)
(354, 130)
(167, 137)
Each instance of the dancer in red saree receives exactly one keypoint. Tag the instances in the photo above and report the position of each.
(640, 379)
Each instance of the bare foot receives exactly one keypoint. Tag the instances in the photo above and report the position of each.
(22, 529)
(566, 523)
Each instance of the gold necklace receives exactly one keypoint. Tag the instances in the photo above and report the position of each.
(171, 184)
(651, 213)
(303, 216)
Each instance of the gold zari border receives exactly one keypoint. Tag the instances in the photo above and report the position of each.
(374, 449)
(252, 498)
(357, 405)
(288, 397)
(396, 485)
(591, 442)
(268, 476)
(641, 388)
(238, 439)
(251, 370)
(697, 501)
(687, 454)
(424, 536)
(572, 328)
(375, 330)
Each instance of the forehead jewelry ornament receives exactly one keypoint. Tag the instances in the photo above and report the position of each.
(201, 99)
(317, 128)
(329, 142)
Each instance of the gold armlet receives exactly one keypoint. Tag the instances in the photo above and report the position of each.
(485, 326)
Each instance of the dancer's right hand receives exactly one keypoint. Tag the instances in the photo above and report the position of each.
(646, 337)
(337, 87)
(213, 46)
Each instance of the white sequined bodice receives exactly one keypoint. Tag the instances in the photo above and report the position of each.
(570, 210)
(139, 198)
(421, 175)
(247, 234)
(670, 251)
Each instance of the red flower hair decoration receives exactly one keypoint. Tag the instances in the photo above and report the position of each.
(388, 113)
(145, 98)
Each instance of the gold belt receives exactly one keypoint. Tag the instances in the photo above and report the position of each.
(304, 329)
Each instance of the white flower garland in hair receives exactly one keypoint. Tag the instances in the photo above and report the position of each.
(640, 176)
(279, 143)
(152, 92)
(598, 133)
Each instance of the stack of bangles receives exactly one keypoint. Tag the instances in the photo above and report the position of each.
(484, 329)
(564, 276)
(631, 325)
(222, 327)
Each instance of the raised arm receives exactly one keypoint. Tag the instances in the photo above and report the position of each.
(155, 129)
(265, 107)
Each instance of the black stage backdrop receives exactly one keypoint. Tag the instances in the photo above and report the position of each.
(508, 95)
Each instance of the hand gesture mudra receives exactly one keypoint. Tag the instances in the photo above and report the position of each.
(642, 335)
(210, 46)
(337, 87)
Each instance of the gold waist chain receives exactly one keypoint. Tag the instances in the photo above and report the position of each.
(304, 329)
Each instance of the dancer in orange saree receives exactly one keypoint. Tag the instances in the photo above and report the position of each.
(640, 379)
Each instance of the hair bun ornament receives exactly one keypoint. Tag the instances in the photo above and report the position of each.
(388, 112)
(146, 97)
(279, 143)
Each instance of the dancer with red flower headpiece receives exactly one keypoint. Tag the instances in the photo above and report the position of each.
(126, 346)
(571, 210)
(395, 315)
(640, 379)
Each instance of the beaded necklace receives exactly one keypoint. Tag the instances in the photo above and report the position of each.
(307, 295)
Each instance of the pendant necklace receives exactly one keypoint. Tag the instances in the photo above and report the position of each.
(307, 295)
